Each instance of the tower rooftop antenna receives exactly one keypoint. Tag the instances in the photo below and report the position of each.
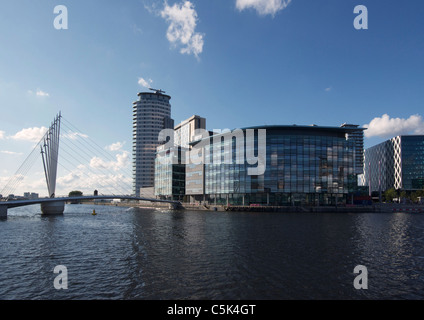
(157, 91)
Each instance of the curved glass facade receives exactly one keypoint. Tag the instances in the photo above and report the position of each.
(304, 165)
(151, 114)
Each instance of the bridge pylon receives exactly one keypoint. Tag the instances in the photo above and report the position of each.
(3, 212)
(50, 154)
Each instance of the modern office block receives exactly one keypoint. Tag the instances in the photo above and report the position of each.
(396, 163)
(195, 182)
(170, 173)
(308, 165)
(185, 131)
(171, 162)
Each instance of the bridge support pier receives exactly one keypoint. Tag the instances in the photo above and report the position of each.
(3, 212)
(53, 208)
(175, 206)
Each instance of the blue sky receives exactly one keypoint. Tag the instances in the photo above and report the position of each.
(240, 65)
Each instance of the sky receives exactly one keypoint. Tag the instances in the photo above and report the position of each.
(237, 63)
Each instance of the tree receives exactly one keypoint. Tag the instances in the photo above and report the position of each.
(416, 195)
(75, 194)
(390, 194)
(403, 196)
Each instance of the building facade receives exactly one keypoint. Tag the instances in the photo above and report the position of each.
(151, 114)
(173, 174)
(396, 163)
(170, 173)
(30, 195)
(185, 131)
(304, 165)
(357, 134)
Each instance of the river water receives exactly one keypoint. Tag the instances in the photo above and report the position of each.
(128, 253)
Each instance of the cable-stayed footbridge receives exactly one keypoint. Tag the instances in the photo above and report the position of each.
(49, 149)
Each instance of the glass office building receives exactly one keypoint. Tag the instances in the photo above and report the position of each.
(169, 173)
(172, 175)
(396, 163)
(304, 165)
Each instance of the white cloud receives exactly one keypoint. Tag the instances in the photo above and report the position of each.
(182, 19)
(88, 182)
(40, 93)
(263, 7)
(73, 135)
(82, 177)
(21, 182)
(2, 135)
(390, 127)
(69, 178)
(10, 152)
(99, 163)
(4, 180)
(30, 134)
(145, 83)
(328, 89)
(122, 161)
(152, 8)
(93, 177)
(115, 146)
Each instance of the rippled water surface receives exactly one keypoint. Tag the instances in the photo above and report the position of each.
(127, 253)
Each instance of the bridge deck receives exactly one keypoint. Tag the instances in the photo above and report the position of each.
(20, 203)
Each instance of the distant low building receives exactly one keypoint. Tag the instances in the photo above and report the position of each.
(31, 195)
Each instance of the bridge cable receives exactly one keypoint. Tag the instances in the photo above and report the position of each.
(106, 173)
(91, 142)
(68, 142)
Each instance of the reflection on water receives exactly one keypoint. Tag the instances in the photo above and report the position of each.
(127, 253)
(392, 245)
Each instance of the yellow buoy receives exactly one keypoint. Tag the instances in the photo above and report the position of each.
(94, 212)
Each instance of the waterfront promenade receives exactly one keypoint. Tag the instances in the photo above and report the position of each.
(377, 207)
